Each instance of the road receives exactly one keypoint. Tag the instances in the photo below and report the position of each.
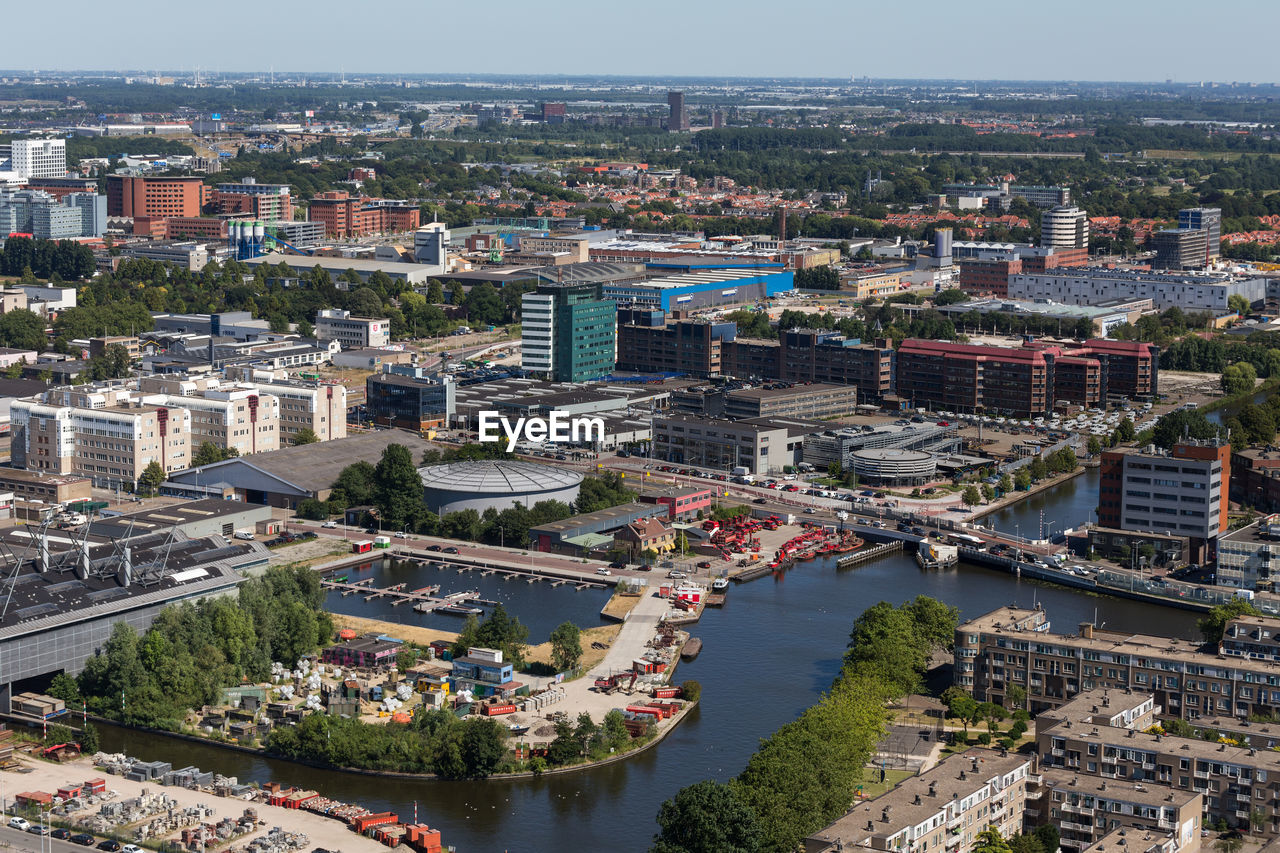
(16, 839)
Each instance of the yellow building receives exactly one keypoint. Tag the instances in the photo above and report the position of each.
(871, 285)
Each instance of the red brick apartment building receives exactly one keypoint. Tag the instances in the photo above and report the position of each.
(983, 276)
(1023, 381)
(345, 215)
(150, 196)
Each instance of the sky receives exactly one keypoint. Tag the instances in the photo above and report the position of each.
(1119, 40)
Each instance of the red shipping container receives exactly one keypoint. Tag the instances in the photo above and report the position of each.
(369, 821)
(666, 693)
(498, 710)
(645, 709)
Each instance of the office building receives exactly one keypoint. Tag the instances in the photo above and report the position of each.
(1064, 228)
(1245, 556)
(988, 276)
(1180, 249)
(252, 200)
(63, 185)
(762, 446)
(47, 217)
(1183, 491)
(47, 488)
(573, 249)
(648, 343)
(814, 401)
(677, 113)
(1015, 646)
(131, 196)
(944, 808)
(111, 445)
(1001, 195)
(410, 402)
(38, 158)
(345, 215)
(838, 446)
(568, 332)
(1093, 285)
(552, 113)
(1209, 220)
(336, 324)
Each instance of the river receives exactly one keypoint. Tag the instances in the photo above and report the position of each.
(766, 656)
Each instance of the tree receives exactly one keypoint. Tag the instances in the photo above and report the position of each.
(1214, 623)
(1049, 837)
(1022, 479)
(150, 479)
(566, 646)
(1125, 430)
(1238, 378)
(355, 484)
(64, 687)
(89, 740)
(306, 435)
(1006, 484)
(951, 297)
(990, 841)
(482, 747)
(1171, 428)
(707, 817)
(964, 708)
(208, 453)
(1230, 841)
(1094, 447)
(397, 490)
(1239, 304)
(1015, 695)
(988, 493)
(971, 496)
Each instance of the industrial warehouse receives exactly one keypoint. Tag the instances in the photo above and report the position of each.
(62, 591)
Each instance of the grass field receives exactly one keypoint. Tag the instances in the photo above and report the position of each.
(871, 787)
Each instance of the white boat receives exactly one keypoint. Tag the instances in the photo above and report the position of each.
(719, 584)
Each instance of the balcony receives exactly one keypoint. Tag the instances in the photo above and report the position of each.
(1070, 808)
(1061, 753)
(1077, 827)
(954, 840)
(1166, 824)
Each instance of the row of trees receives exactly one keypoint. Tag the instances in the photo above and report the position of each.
(191, 651)
(804, 775)
(61, 260)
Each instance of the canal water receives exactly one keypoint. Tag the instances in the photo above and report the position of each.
(540, 606)
(766, 656)
(1067, 505)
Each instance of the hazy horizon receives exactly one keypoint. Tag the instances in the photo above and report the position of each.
(997, 40)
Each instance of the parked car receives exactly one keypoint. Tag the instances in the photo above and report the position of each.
(705, 564)
(82, 838)
(131, 848)
(110, 845)
(451, 550)
(677, 576)
(37, 829)
(433, 548)
(618, 564)
(19, 823)
(60, 832)
(810, 511)
(760, 501)
(329, 525)
(603, 571)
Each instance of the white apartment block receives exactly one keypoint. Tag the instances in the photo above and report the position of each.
(1245, 556)
(112, 446)
(321, 408)
(333, 324)
(1092, 285)
(1064, 227)
(39, 158)
(239, 418)
(537, 332)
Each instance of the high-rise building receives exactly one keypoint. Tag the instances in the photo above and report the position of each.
(1064, 228)
(268, 202)
(1209, 220)
(128, 195)
(678, 119)
(569, 332)
(48, 218)
(1182, 492)
(39, 158)
(1180, 248)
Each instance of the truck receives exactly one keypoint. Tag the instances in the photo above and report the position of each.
(740, 471)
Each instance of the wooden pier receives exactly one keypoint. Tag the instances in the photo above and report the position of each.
(857, 558)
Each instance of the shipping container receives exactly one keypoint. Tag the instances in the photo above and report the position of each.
(362, 546)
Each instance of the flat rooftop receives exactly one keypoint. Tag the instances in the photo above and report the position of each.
(793, 391)
(165, 566)
(165, 517)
